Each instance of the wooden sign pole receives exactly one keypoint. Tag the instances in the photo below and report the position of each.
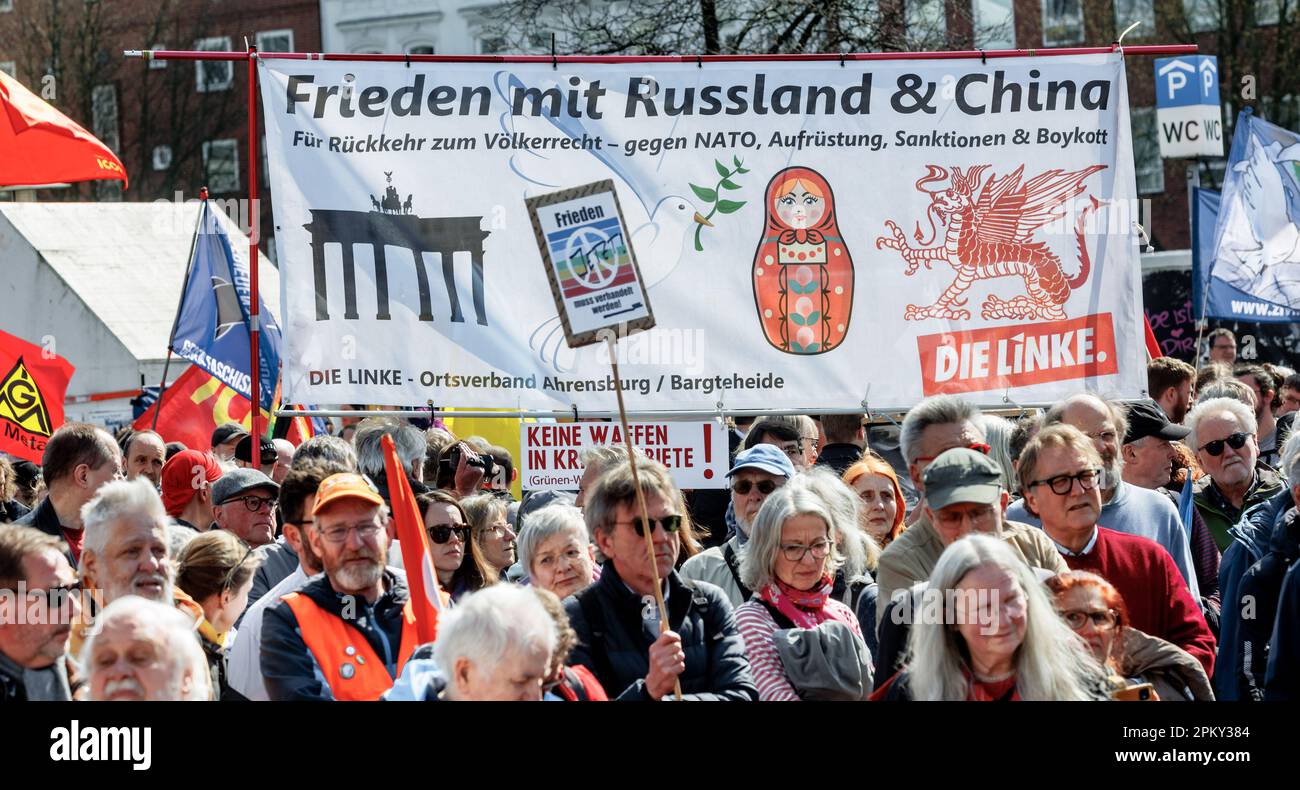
(640, 498)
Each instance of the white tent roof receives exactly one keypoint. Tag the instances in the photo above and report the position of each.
(126, 262)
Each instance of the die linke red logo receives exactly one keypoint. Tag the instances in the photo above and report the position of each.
(1018, 355)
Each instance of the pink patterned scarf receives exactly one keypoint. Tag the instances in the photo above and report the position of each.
(805, 608)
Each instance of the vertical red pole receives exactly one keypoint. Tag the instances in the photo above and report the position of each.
(255, 223)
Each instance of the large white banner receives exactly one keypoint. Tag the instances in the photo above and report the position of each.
(810, 235)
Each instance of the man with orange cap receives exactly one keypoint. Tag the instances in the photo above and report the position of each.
(347, 633)
(187, 480)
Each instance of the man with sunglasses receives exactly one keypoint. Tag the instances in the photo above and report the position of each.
(346, 634)
(244, 503)
(34, 662)
(1223, 438)
(1125, 508)
(1060, 477)
(758, 471)
(621, 638)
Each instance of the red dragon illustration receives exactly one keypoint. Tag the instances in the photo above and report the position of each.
(992, 237)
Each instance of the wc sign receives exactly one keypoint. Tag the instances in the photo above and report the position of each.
(1187, 107)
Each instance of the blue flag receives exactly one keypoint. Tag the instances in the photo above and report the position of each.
(212, 326)
(1254, 273)
(1205, 215)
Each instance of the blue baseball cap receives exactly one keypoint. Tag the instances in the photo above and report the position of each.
(766, 457)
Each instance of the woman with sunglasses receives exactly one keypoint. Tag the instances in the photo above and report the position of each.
(1095, 611)
(457, 557)
(883, 508)
(1060, 477)
(216, 571)
(622, 639)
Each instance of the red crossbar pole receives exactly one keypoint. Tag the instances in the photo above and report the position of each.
(255, 223)
(1140, 49)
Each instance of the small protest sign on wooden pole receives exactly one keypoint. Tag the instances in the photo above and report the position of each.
(599, 293)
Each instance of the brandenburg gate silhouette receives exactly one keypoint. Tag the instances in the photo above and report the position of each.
(378, 229)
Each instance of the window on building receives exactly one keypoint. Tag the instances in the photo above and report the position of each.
(927, 24)
(1129, 11)
(492, 45)
(6, 5)
(420, 49)
(158, 64)
(1146, 151)
(221, 166)
(275, 41)
(9, 67)
(1267, 12)
(162, 157)
(103, 111)
(995, 24)
(213, 75)
(540, 41)
(1202, 15)
(1062, 22)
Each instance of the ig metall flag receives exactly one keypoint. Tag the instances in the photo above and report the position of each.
(212, 326)
(1255, 271)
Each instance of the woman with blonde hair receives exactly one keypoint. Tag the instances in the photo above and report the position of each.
(490, 531)
(998, 637)
(216, 570)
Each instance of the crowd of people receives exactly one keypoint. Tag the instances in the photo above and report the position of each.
(1095, 550)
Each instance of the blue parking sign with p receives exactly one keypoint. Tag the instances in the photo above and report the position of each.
(1184, 81)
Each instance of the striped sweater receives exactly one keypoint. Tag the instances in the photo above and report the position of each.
(757, 628)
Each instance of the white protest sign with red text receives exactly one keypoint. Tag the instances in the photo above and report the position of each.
(551, 454)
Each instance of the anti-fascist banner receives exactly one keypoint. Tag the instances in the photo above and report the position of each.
(551, 453)
(810, 235)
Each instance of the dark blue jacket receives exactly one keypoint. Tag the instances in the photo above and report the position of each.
(1261, 586)
(614, 645)
(1250, 540)
(288, 667)
(1282, 681)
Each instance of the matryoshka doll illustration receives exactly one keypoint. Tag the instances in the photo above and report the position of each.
(803, 275)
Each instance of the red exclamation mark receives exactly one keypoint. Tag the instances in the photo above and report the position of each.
(708, 450)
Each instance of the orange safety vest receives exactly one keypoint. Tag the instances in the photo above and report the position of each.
(350, 665)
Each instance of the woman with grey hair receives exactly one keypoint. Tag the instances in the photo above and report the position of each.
(555, 550)
(999, 637)
(790, 564)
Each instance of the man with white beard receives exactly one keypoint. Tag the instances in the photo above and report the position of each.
(758, 471)
(1125, 507)
(346, 634)
(141, 650)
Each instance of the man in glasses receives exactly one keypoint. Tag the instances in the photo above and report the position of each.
(244, 503)
(1223, 346)
(621, 639)
(784, 434)
(33, 653)
(346, 634)
(1060, 477)
(297, 498)
(1125, 508)
(758, 471)
(1223, 438)
(963, 494)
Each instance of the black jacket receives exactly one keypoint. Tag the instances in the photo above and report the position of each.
(13, 681)
(288, 667)
(278, 561)
(614, 645)
(1282, 683)
(1262, 584)
(44, 518)
(12, 511)
(839, 457)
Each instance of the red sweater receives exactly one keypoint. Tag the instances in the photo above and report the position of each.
(1154, 593)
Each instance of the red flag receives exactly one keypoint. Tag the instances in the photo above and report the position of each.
(43, 146)
(194, 405)
(31, 395)
(1153, 345)
(421, 578)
